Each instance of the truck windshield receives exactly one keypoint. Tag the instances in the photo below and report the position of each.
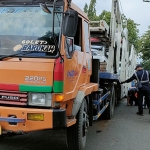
(25, 29)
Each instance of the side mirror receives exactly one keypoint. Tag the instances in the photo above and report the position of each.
(70, 22)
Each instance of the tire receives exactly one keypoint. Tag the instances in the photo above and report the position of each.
(116, 95)
(76, 134)
(109, 112)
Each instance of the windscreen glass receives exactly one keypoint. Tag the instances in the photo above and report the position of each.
(28, 30)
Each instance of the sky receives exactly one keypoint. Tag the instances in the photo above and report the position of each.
(136, 10)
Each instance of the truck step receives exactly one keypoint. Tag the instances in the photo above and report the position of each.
(71, 122)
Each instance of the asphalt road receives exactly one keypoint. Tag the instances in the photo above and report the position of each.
(125, 131)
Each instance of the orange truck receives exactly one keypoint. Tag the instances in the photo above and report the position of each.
(48, 78)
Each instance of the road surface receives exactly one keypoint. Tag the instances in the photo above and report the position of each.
(125, 131)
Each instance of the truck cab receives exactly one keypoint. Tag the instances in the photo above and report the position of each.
(45, 65)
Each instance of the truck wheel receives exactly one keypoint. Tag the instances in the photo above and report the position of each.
(76, 134)
(109, 112)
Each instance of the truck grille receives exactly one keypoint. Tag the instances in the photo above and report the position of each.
(13, 98)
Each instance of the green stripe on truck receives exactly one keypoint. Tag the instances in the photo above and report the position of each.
(34, 88)
(58, 86)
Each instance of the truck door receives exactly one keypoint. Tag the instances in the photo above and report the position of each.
(74, 62)
(87, 50)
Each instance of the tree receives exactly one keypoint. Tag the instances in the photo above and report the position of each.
(133, 37)
(86, 8)
(144, 48)
(133, 33)
(146, 64)
(105, 15)
(91, 11)
(131, 26)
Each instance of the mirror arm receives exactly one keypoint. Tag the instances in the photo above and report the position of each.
(62, 59)
(53, 17)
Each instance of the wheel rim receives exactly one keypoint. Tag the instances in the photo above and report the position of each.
(85, 121)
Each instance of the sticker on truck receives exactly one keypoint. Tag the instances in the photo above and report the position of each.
(37, 46)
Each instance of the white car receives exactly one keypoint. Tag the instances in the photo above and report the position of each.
(98, 52)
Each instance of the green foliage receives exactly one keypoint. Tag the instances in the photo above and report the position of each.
(105, 15)
(91, 11)
(144, 48)
(86, 8)
(132, 33)
(146, 65)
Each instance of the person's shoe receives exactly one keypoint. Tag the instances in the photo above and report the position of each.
(139, 114)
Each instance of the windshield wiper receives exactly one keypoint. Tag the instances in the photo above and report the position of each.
(12, 55)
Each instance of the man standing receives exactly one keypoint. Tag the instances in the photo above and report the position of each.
(144, 77)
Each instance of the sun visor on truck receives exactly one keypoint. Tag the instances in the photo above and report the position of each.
(2, 2)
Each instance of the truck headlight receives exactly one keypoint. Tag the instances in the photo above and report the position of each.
(40, 99)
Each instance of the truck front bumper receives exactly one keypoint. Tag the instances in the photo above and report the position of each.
(16, 119)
